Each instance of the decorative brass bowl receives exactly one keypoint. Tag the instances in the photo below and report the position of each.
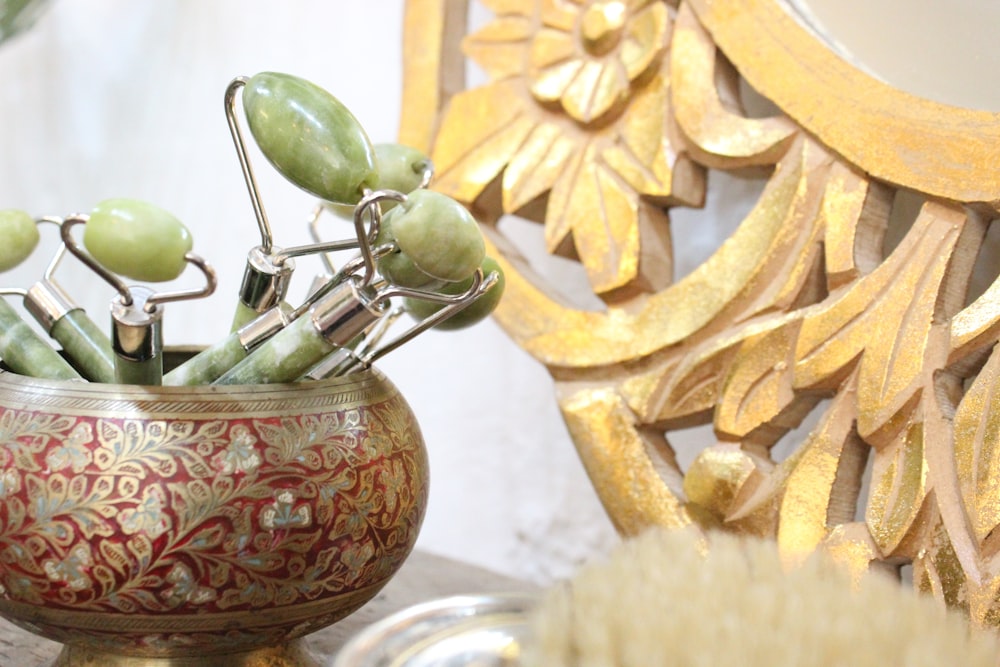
(201, 525)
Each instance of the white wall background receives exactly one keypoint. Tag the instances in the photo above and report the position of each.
(125, 98)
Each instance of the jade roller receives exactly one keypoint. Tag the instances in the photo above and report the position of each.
(313, 141)
(401, 168)
(22, 349)
(84, 343)
(334, 322)
(137, 240)
(421, 308)
(438, 242)
(347, 356)
(213, 361)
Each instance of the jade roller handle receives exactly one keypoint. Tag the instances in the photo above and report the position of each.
(25, 352)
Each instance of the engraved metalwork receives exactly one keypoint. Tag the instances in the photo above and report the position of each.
(197, 521)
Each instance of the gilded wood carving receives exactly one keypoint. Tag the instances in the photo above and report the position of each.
(600, 118)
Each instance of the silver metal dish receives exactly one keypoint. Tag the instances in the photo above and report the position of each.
(457, 631)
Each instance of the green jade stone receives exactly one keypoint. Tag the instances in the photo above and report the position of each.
(148, 372)
(86, 345)
(310, 137)
(244, 315)
(206, 366)
(137, 239)
(284, 357)
(25, 352)
(400, 168)
(475, 312)
(438, 239)
(20, 236)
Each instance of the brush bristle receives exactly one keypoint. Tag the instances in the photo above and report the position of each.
(671, 598)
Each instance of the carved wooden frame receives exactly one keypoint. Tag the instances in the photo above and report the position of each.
(805, 308)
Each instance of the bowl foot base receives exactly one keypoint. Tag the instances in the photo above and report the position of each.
(292, 654)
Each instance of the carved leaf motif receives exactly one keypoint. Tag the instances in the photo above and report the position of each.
(898, 489)
(977, 449)
(605, 216)
(141, 550)
(500, 45)
(898, 300)
(292, 441)
(758, 387)
(207, 538)
(547, 152)
(937, 571)
(469, 155)
(23, 434)
(822, 490)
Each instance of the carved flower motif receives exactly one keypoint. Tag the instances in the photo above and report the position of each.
(587, 54)
(185, 588)
(574, 121)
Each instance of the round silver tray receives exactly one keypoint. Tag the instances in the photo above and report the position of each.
(457, 631)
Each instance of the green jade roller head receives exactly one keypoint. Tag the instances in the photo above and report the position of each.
(141, 241)
(442, 241)
(437, 238)
(400, 168)
(480, 309)
(310, 137)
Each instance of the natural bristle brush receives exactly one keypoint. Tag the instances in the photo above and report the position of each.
(672, 597)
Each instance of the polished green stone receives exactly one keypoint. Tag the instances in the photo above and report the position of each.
(19, 235)
(310, 137)
(24, 351)
(137, 240)
(400, 168)
(209, 364)
(86, 345)
(437, 237)
(285, 357)
(475, 312)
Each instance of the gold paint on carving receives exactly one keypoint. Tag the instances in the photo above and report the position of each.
(615, 455)
(716, 131)
(896, 137)
(802, 309)
(718, 475)
(977, 450)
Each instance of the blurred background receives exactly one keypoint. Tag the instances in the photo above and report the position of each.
(114, 98)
